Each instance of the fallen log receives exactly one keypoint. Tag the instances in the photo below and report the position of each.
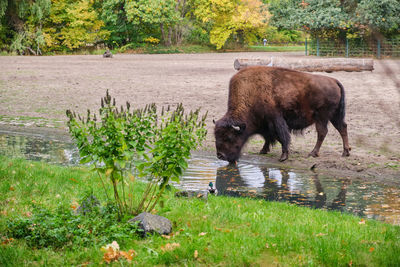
(310, 64)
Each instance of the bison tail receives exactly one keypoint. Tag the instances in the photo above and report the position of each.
(341, 111)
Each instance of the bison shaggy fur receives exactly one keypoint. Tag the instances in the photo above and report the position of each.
(273, 102)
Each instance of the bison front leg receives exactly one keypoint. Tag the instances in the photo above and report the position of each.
(266, 148)
(322, 130)
(283, 135)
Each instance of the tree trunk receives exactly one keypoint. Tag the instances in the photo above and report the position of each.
(169, 40)
(163, 33)
(309, 64)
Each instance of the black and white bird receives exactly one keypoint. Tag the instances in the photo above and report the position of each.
(211, 188)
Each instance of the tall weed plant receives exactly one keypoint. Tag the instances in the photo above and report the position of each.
(124, 143)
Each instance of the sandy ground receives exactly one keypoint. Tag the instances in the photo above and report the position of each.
(38, 90)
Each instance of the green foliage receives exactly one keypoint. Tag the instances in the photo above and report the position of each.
(198, 35)
(314, 16)
(381, 15)
(337, 18)
(156, 13)
(157, 147)
(122, 32)
(274, 35)
(66, 228)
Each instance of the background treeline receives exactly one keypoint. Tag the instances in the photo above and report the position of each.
(59, 26)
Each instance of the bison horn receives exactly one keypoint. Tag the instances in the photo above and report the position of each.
(236, 128)
(213, 121)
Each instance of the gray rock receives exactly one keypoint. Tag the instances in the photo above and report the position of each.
(202, 194)
(150, 223)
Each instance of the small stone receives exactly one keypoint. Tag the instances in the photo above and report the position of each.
(150, 223)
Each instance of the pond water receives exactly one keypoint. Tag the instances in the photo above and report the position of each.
(252, 177)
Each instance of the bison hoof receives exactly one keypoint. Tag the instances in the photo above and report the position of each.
(346, 153)
(313, 154)
(284, 157)
(264, 151)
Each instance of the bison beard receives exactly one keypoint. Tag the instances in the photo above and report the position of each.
(273, 102)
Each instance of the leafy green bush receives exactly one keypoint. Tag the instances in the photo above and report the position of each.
(125, 140)
(66, 227)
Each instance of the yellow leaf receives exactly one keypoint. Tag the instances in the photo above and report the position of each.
(371, 249)
(170, 247)
(362, 221)
(196, 254)
(110, 255)
(128, 255)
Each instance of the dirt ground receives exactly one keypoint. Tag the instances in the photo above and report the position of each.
(36, 91)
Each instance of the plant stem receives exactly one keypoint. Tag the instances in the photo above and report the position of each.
(104, 187)
(144, 197)
(159, 195)
(117, 198)
(152, 195)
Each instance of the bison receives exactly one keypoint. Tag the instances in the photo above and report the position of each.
(274, 102)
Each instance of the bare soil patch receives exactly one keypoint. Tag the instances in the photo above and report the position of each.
(44, 87)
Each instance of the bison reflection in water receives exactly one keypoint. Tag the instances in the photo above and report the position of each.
(277, 185)
(273, 102)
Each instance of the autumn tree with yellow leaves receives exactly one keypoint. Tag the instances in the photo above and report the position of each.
(242, 20)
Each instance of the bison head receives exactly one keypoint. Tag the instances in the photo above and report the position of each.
(230, 137)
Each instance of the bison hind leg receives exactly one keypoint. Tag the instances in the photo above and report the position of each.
(322, 130)
(341, 127)
(283, 136)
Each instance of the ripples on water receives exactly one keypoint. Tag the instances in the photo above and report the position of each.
(250, 178)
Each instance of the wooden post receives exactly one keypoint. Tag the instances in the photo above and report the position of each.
(306, 46)
(378, 52)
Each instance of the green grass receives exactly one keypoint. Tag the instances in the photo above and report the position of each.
(160, 49)
(277, 48)
(224, 231)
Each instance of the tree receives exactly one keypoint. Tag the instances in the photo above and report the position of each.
(337, 18)
(24, 20)
(163, 13)
(244, 20)
(318, 17)
(113, 14)
(73, 25)
(382, 16)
